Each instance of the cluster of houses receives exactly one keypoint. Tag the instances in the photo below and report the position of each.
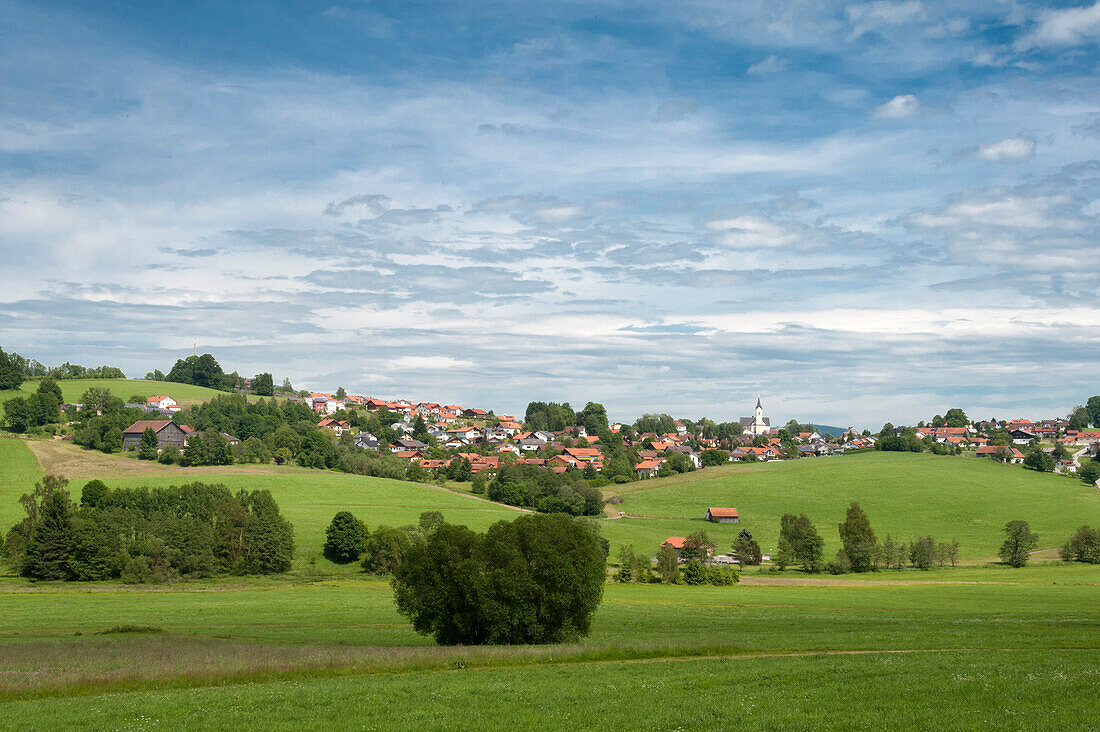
(1021, 432)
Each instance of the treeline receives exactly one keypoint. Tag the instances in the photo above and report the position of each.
(205, 371)
(15, 369)
(529, 486)
(22, 414)
(800, 544)
(147, 535)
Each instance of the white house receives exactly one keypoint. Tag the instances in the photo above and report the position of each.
(160, 402)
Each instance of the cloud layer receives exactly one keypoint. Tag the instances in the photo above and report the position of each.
(862, 211)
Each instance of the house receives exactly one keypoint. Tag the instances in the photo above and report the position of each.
(409, 445)
(758, 424)
(337, 426)
(230, 438)
(160, 402)
(474, 413)
(506, 447)
(467, 433)
(510, 428)
(722, 515)
(648, 468)
(168, 433)
(366, 441)
(676, 542)
(530, 444)
(1021, 436)
(998, 452)
(1065, 466)
(409, 454)
(446, 417)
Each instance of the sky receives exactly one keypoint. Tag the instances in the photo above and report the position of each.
(860, 212)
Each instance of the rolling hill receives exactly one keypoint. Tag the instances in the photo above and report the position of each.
(72, 389)
(904, 494)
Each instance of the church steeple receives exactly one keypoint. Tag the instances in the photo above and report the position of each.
(758, 403)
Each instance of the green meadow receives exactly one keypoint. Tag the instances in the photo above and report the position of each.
(904, 494)
(980, 645)
(72, 389)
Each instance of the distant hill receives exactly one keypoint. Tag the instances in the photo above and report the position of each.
(830, 430)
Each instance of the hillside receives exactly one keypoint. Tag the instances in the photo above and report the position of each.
(308, 498)
(906, 495)
(72, 389)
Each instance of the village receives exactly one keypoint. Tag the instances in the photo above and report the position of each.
(435, 435)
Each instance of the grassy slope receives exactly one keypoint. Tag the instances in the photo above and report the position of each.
(72, 389)
(904, 495)
(308, 498)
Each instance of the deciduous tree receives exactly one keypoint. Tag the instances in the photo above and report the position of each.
(1019, 541)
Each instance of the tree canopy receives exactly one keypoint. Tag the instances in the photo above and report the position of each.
(537, 579)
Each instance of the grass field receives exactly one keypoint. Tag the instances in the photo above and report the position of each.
(72, 389)
(948, 649)
(954, 648)
(904, 494)
(308, 498)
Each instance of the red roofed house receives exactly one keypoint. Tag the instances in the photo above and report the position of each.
(648, 468)
(999, 452)
(722, 515)
(168, 433)
(338, 426)
(160, 402)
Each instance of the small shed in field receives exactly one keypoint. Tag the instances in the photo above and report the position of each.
(722, 515)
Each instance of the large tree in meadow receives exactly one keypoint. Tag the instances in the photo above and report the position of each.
(1019, 541)
(858, 538)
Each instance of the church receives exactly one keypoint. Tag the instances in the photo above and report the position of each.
(758, 424)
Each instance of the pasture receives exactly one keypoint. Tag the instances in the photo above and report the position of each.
(904, 494)
(72, 389)
(321, 646)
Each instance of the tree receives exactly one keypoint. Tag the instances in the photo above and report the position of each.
(345, 538)
(699, 547)
(593, 417)
(537, 579)
(48, 531)
(1039, 460)
(799, 543)
(17, 414)
(430, 521)
(11, 376)
(858, 538)
(92, 493)
(112, 441)
(149, 448)
(1093, 407)
(263, 384)
(712, 458)
(1019, 541)
(668, 564)
(956, 418)
(170, 455)
(627, 560)
(746, 549)
(268, 539)
(1089, 472)
(385, 549)
(47, 402)
(695, 573)
(1078, 418)
(340, 393)
(948, 552)
(922, 552)
(1083, 546)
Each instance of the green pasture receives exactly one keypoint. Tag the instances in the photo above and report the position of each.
(905, 495)
(308, 498)
(73, 389)
(950, 648)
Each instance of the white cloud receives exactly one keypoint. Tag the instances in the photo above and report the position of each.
(1014, 148)
(1066, 27)
(772, 64)
(900, 107)
(428, 363)
(867, 17)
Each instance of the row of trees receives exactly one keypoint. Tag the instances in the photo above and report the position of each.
(530, 486)
(800, 544)
(22, 414)
(147, 535)
(205, 371)
(15, 369)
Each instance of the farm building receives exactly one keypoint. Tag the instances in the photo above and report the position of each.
(723, 515)
(168, 433)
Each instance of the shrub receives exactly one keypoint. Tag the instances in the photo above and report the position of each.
(345, 538)
(170, 455)
(694, 572)
(722, 576)
(537, 579)
(1083, 546)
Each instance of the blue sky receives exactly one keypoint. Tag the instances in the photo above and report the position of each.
(860, 211)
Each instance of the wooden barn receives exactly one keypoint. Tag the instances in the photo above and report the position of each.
(723, 515)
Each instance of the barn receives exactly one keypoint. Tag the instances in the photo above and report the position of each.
(723, 515)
